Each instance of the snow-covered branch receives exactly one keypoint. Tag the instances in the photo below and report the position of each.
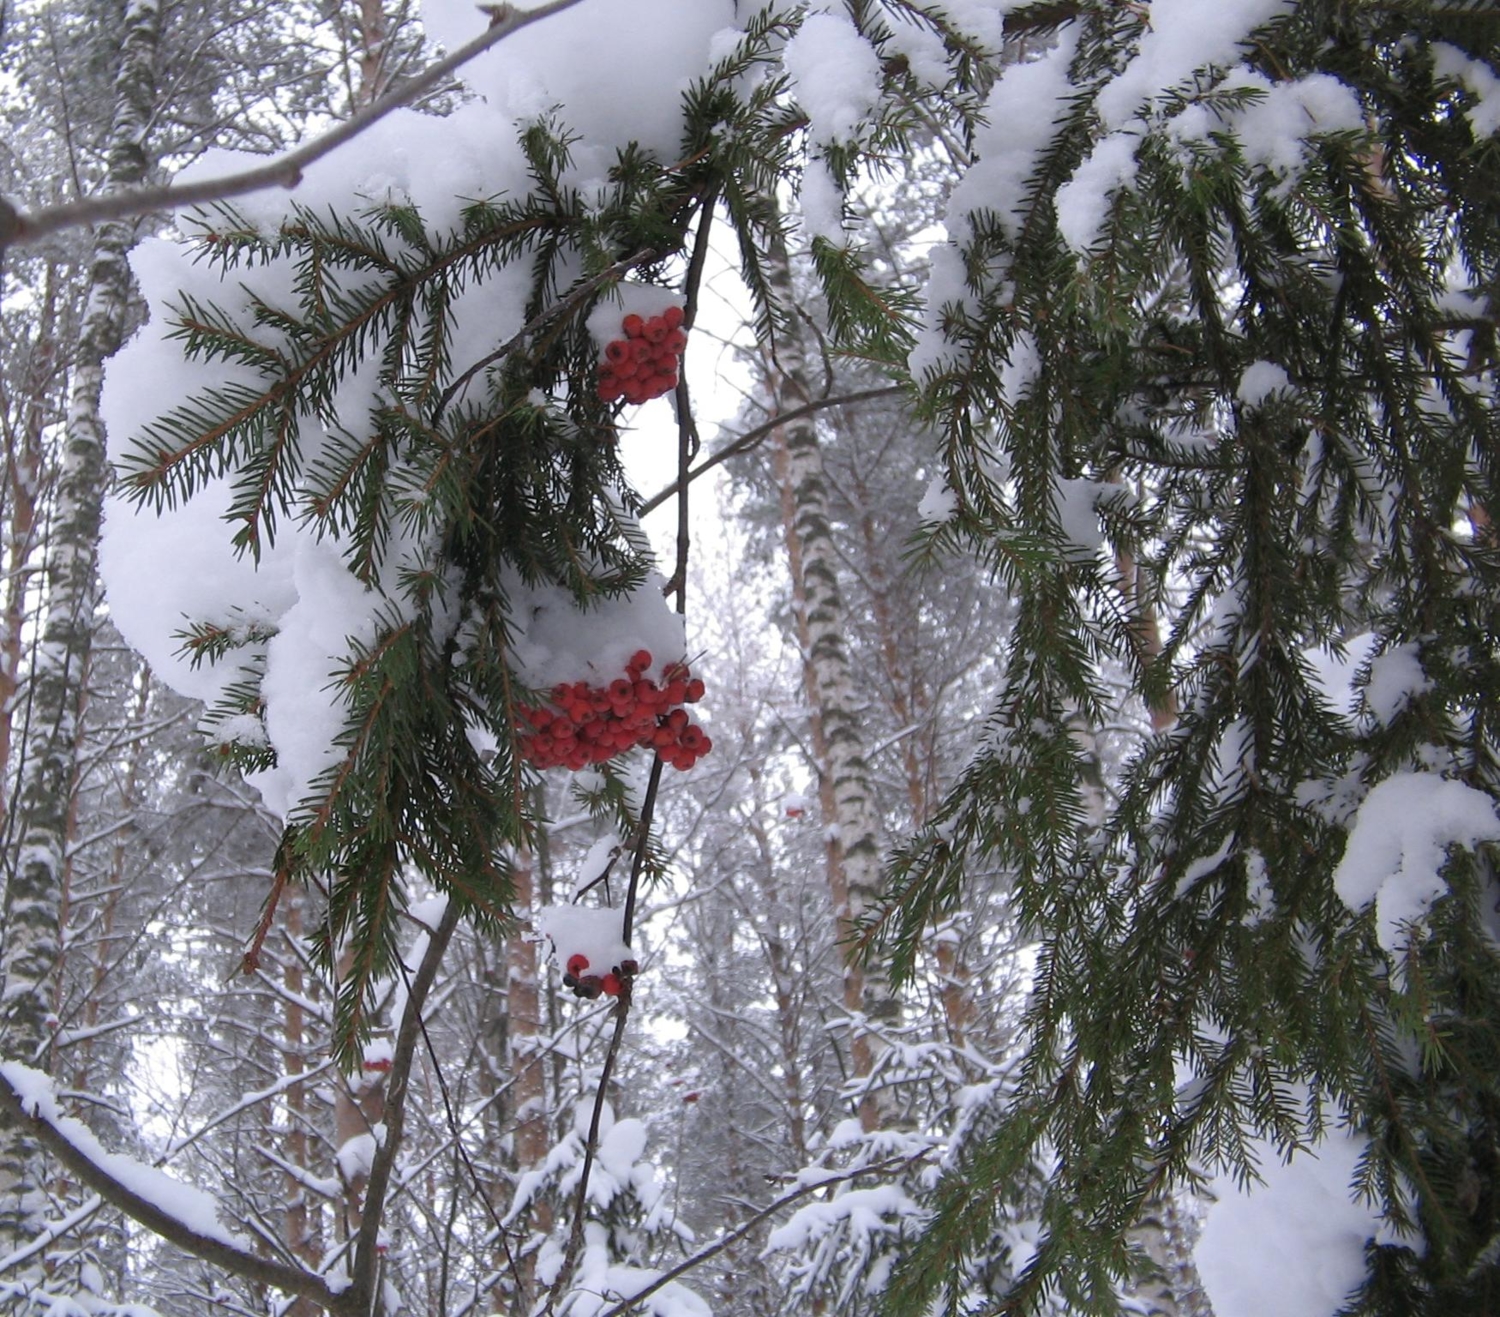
(179, 1213)
(22, 227)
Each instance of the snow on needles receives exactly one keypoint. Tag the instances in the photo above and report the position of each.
(1399, 843)
(297, 611)
(1293, 1245)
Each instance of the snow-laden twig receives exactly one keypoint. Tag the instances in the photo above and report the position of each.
(891, 1166)
(51, 1233)
(21, 227)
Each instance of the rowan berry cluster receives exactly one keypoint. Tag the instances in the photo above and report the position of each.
(589, 985)
(588, 724)
(643, 364)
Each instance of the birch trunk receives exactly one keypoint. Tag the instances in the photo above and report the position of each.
(848, 804)
(526, 1063)
(23, 471)
(28, 959)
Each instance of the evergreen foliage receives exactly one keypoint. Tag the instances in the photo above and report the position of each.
(1201, 981)
(1211, 355)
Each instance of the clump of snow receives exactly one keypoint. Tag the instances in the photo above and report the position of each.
(629, 297)
(1396, 678)
(1399, 842)
(1083, 201)
(1478, 79)
(1262, 380)
(304, 714)
(1294, 1245)
(821, 211)
(1182, 37)
(1020, 115)
(835, 76)
(572, 60)
(939, 503)
(1075, 503)
(592, 932)
(356, 1156)
(559, 642)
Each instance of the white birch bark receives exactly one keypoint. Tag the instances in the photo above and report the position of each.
(28, 957)
(850, 814)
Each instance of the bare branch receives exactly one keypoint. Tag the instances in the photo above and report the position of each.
(745, 442)
(367, 1254)
(543, 318)
(20, 228)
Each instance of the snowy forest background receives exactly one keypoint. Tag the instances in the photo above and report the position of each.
(1087, 561)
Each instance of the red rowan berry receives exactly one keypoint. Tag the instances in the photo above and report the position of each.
(673, 315)
(577, 964)
(632, 325)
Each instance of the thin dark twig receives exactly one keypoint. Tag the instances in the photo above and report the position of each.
(751, 438)
(891, 1166)
(580, 1205)
(542, 318)
(367, 1253)
(25, 1115)
(638, 860)
(285, 171)
(458, 1142)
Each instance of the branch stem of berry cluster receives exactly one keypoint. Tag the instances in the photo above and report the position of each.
(542, 319)
(687, 447)
(21, 227)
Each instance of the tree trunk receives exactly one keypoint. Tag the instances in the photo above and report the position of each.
(850, 818)
(523, 1047)
(23, 469)
(31, 935)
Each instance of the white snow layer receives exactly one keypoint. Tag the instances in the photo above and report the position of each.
(1182, 37)
(1478, 79)
(835, 76)
(592, 932)
(1260, 380)
(1399, 842)
(1292, 1246)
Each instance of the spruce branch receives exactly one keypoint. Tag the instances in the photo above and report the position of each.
(23, 227)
